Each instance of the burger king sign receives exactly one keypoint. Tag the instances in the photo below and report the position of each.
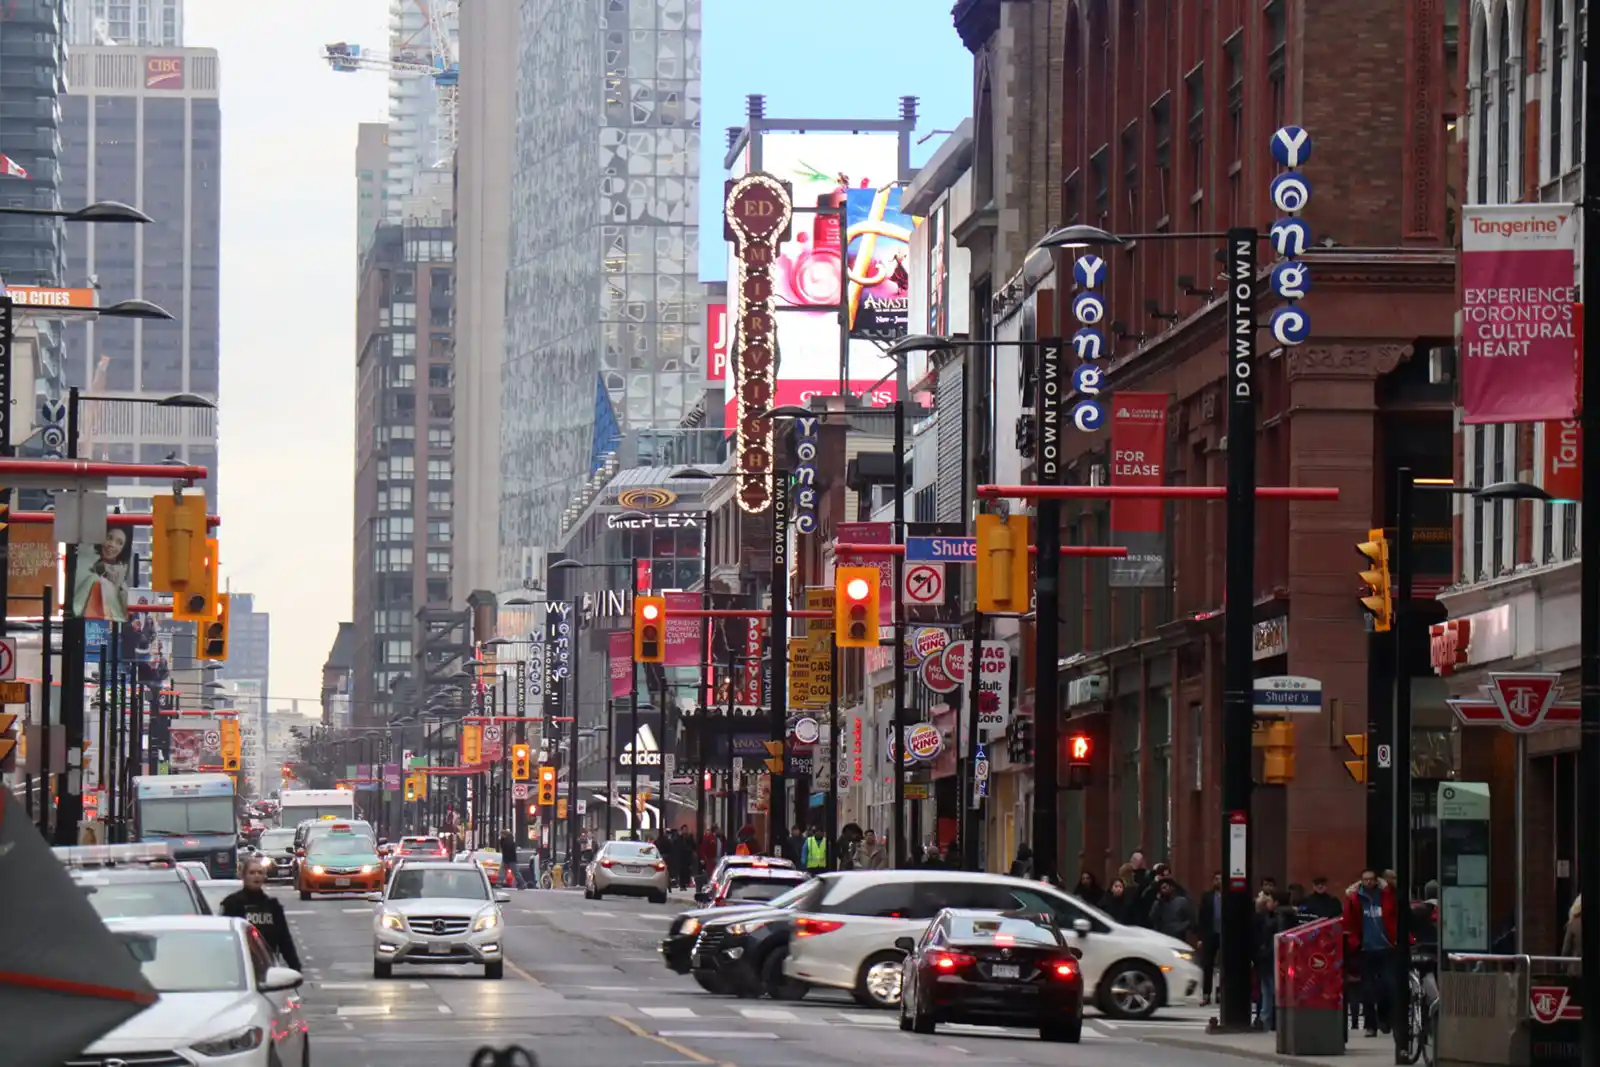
(923, 743)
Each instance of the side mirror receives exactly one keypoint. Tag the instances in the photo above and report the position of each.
(502, 898)
(905, 944)
(280, 979)
(300, 852)
(1082, 927)
(1077, 953)
(376, 898)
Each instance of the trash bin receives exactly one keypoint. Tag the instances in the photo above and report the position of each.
(1309, 961)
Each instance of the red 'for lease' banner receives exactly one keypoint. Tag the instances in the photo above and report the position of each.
(1139, 457)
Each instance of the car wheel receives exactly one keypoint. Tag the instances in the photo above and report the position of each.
(305, 894)
(1130, 989)
(878, 981)
(780, 986)
(381, 969)
(905, 1020)
(658, 898)
(597, 894)
(494, 971)
(305, 1053)
(921, 1021)
(711, 982)
(1070, 1033)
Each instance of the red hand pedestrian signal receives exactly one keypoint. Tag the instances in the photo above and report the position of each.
(1080, 750)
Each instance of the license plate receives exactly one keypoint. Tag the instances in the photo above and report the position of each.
(341, 881)
(634, 870)
(1006, 970)
(439, 948)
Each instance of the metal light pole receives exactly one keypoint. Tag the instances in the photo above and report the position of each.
(1589, 550)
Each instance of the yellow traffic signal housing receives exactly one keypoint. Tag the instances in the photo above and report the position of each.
(1358, 766)
(232, 744)
(1376, 598)
(178, 534)
(775, 755)
(197, 601)
(561, 808)
(855, 607)
(1004, 574)
(411, 788)
(1277, 766)
(649, 629)
(211, 636)
(521, 763)
(547, 786)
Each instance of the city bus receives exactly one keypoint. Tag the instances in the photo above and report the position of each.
(298, 805)
(196, 813)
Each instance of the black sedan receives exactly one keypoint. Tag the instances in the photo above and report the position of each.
(678, 945)
(992, 969)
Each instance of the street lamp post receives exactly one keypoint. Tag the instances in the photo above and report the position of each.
(1589, 551)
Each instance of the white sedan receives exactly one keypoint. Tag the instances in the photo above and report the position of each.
(221, 996)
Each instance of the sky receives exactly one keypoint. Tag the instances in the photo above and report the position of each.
(289, 248)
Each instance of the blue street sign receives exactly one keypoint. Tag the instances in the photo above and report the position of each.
(941, 549)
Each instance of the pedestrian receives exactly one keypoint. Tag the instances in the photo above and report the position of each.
(1209, 922)
(1275, 916)
(710, 852)
(1089, 890)
(508, 861)
(871, 855)
(1369, 929)
(255, 906)
(1022, 866)
(814, 849)
(1171, 914)
(1572, 935)
(1117, 903)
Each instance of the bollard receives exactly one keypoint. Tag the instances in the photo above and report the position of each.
(1309, 965)
(555, 876)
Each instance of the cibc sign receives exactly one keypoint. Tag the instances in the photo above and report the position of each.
(758, 209)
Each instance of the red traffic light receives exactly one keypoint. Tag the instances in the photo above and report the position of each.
(1078, 747)
(857, 589)
(650, 612)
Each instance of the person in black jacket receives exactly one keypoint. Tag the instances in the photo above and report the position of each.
(263, 912)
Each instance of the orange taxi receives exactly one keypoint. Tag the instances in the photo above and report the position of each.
(340, 862)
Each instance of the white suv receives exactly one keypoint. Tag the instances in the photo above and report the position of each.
(844, 936)
(438, 912)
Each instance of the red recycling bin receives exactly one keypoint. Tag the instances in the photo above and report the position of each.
(1309, 961)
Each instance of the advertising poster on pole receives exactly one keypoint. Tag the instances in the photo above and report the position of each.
(32, 559)
(1518, 353)
(994, 681)
(1560, 470)
(749, 692)
(872, 533)
(1139, 458)
(879, 246)
(619, 658)
(683, 632)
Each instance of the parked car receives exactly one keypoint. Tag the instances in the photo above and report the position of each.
(992, 969)
(629, 869)
(845, 936)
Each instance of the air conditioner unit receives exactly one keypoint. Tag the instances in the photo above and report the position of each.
(1441, 364)
(1089, 689)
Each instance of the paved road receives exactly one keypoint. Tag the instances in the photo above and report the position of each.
(584, 987)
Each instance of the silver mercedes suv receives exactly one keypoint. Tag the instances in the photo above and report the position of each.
(436, 912)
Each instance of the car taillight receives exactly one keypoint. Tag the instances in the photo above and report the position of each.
(804, 927)
(661, 866)
(1063, 969)
(950, 961)
(605, 863)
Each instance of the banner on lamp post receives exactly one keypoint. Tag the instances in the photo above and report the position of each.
(1561, 443)
(683, 632)
(1139, 458)
(1518, 352)
(619, 660)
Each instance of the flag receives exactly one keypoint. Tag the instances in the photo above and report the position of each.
(11, 168)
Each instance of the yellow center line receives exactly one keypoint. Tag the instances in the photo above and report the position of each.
(683, 1050)
(522, 974)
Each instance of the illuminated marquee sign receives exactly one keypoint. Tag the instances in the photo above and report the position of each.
(758, 209)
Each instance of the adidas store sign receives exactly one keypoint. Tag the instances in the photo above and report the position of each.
(643, 751)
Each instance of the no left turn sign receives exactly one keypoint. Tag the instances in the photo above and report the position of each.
(8, 659)
(925, 584)
(492, 733)
(212, 739)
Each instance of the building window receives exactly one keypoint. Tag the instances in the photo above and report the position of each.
(1130, 169)
(403, 345)
(400, 468)
(438, 590)
(1100, 181)
(1503, 110)
(1277, 62)
(1233, 55)
(438, 561)
(1481, 117)
(1161, 142)
(440, 438)
(1555, 120)
(1579, 20)
(439, 470)
(397, 653)
(1072, 197)
(439, 531)
(394, 559)
(439, 499)
(399, 375)
(403, 314)
(441, 376)
(1490, 525)
(1195, 87)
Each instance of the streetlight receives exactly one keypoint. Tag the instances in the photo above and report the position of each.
(99, 211)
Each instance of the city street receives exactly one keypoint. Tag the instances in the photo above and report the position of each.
(584, 987)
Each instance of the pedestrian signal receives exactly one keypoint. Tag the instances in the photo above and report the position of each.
(649, 624)
(855, 607)
(1080, 755)
(547, 786)
(1376, 598)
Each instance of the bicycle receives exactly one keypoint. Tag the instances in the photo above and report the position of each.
(1422, 1014)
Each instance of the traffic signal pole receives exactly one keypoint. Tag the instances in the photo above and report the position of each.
(1400, 762)
(1589, 584)
(69, 810)
(902, 714)
(778, 642)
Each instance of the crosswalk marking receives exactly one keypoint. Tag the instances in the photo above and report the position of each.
(875, 1019)
(358, 1010)
(599, 914)
(669, 1013)
(770, 1015)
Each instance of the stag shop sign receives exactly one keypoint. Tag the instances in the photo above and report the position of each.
(758, 209)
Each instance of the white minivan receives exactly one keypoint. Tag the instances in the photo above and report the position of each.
(844, 934)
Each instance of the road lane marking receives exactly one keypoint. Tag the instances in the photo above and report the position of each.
(445, 1010)
(668, 1013)
(356, 1010)
(356, 911)
(598, 914)
(524, 975)
(769, 1015)
(300, 911)
(638, 1031)
(884, 1019)
(372, 985)
(612, 988)
(729, 1035)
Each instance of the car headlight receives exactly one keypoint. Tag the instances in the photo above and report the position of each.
(690, 927)
(1187, 957)
(393, 921)
(319, 870)
(487, 921)
(268, 860)
(367, 868)
(740, 929)
(228, 1044)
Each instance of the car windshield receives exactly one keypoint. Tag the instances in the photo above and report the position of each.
(421, 844)
(1003, 929)
(188, 961)
(632, 850)
(186, 816)
(216, 892)
(139, 900)
(418, 883)
(277, 841)
(342, 845)
(759, 889)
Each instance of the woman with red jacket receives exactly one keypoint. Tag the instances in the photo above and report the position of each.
(1370, 931)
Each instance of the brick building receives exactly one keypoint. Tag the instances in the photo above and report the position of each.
(1154, 117)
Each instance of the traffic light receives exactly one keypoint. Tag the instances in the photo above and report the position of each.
(521, 763)
(412, 792)
(228, 730)
(211, 636)
(197, 601)
(1358, 747)
(1277, 766)
(649, 624)
(1376, 598)
(178, 534)
(1004, 575)
(533, 811)
(1080, 756)
(855, 607)
(547, 786)
(774, 756)
(561, 808)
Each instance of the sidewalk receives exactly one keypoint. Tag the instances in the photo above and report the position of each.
(1360, 1051)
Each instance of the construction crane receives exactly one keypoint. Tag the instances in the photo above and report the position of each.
(434, 58)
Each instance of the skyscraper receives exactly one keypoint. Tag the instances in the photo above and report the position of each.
(249, 646)
(372, 192)
(126, 22)
(603, 329)
(33, 55)
(143, 126)
(415, 116)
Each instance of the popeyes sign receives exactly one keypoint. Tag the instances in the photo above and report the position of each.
(1472, 640)
(1448, 644)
